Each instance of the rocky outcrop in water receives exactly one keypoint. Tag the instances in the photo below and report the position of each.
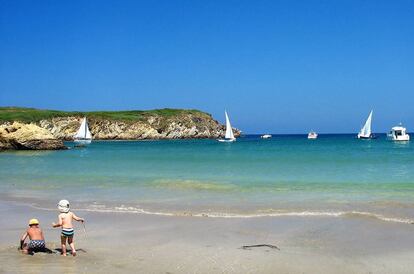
(183, 126)
(27, 137)
(137, 125)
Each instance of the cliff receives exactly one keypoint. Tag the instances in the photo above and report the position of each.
(28, 137)
(121, 125)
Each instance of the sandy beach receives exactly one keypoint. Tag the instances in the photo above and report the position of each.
(124, 242)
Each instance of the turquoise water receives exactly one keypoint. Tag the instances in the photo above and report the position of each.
(251, 176)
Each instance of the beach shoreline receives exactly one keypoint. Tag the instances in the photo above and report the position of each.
(117, 242)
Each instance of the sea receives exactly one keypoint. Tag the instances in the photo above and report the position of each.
(287, 175)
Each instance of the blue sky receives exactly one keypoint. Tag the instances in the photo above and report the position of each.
(276, 66)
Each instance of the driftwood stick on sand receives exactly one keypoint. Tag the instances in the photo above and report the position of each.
(260, 245)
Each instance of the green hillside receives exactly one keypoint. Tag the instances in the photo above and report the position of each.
(28, 115)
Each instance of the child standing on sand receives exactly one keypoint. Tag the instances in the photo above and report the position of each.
(65, 221)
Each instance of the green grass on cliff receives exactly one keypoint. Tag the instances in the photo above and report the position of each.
(28, 115)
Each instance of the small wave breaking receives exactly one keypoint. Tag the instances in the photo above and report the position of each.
(333, 214)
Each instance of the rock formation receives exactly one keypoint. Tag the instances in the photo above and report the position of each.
(27, 137)
(182, 126)
(49, 133)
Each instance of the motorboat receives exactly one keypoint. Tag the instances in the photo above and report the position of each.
(398, 133)
(312, 135)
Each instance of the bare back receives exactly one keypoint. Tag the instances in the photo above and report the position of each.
(66, 219)
(35, 233)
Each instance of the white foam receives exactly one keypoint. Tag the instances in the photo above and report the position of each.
(332, 214)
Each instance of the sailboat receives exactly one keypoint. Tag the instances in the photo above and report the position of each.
(365, 132)
(83, 137)
(229, 137)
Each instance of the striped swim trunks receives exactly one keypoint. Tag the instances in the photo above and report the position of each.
(68, 232)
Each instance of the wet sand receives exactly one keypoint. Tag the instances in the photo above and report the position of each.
(126, 243)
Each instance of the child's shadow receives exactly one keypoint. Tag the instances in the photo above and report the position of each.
(59, 250)
(44, 250)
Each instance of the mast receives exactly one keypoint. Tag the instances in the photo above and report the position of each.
(86, 128)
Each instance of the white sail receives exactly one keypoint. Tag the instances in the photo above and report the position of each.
(229, 130)
(83, 132)
(366, 130)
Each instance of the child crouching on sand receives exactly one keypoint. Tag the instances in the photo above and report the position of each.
(37, 241)
(65, 221)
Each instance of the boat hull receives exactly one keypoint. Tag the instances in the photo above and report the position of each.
(82, 142)
(226, 140)
(365, 137)
(400, 138)
(312, 136)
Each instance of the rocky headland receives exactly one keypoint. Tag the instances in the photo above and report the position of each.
(26, 128)
(27, 137)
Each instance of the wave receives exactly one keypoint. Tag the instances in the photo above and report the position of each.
(333, 214)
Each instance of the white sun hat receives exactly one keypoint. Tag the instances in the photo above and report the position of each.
(63, 206)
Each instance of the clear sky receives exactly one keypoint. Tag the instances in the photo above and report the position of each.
(276, 66)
